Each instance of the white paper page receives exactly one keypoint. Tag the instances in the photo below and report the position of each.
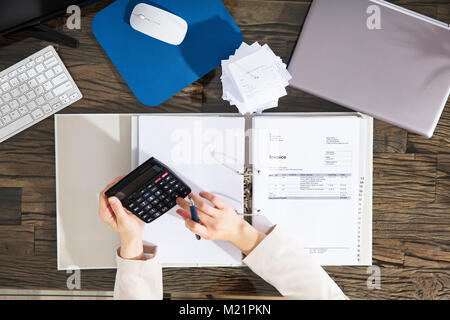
(280, 66)
(205, 152)
(244, 51)
(233, 93)
(230, 92)
(309, 182)
(257, 79)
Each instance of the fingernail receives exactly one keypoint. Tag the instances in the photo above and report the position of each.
(112, 200)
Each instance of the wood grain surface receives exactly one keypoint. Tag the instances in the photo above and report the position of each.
(411, 211)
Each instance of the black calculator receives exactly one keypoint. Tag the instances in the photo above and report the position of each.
(150, 190)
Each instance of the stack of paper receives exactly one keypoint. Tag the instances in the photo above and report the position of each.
(254, 78)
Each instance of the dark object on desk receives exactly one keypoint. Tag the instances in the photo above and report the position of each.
(194, 215)
(27, 16)
(150, 190)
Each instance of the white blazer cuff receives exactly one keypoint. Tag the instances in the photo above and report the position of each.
(270, 243)
(139, 279)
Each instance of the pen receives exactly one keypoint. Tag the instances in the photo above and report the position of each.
(194, 215)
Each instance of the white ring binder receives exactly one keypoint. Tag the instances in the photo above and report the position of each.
(71, 251)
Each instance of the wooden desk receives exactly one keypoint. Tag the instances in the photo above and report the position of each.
(411, 212)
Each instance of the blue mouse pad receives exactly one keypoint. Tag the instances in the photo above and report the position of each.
(155, 70)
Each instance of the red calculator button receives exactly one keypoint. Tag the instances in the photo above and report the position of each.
(164, 174)
(158, 180)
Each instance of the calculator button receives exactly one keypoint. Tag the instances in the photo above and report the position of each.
(172, 203)
(155, 202)
(153, 190)
(139, 200)
(156, 214)
(148, 207)
(153, 210)
(159, 206)
(143, 204)
(146, 195)
(151, 185)
(168, 177)
(136, 209)
(131, 205)
(140, 213)
(158, 193)
(162, 196)
(166, 187)
(167, 200)
(164, 209)
(185, 193)
(171, 182)
(151, 198)
(165, 174)
(175, 195)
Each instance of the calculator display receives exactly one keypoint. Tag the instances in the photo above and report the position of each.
(141, 178)
(150, 190)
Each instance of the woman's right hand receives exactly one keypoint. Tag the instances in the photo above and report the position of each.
(219, 221)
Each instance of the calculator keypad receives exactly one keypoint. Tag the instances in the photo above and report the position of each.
(156, 197)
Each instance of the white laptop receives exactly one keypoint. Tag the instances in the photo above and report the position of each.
(376, 58)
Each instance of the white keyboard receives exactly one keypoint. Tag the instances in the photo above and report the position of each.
(33, 89)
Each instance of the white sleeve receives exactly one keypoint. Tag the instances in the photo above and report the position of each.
(139, 279)
(280, 261)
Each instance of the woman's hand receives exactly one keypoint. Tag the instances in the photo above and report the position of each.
(129, 227)
(219, 222)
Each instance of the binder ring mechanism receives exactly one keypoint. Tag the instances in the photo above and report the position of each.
(244, 174)
(258, 213)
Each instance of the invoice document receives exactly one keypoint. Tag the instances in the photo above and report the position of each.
(308, 176)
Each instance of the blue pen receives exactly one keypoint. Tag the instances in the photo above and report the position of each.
(194, 215)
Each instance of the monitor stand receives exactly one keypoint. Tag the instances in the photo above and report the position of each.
(43, 32)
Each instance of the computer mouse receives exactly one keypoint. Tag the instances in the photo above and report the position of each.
(159, 24)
